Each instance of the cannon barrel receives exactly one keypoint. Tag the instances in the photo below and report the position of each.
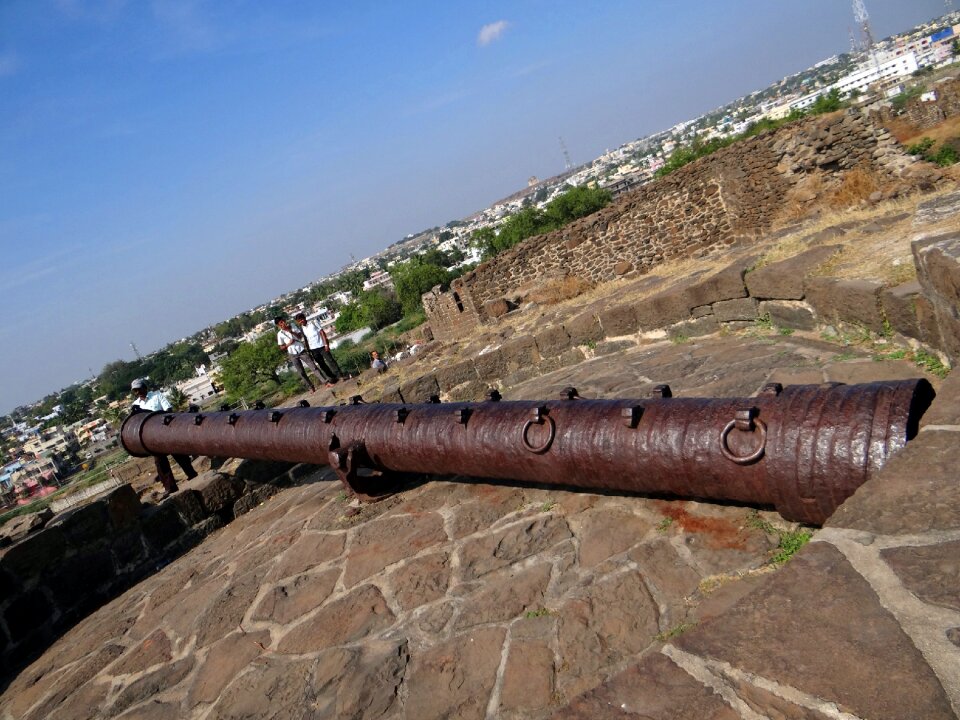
(803, 449)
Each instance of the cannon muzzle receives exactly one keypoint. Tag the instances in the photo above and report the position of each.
(803, 449)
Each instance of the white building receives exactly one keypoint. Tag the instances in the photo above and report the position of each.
(884, 72)
(379, 278)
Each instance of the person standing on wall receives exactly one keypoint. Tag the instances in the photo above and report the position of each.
(319, 347)
(156, 401)
(292, 341)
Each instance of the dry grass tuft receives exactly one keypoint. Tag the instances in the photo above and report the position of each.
(857, 185)
(949, 128)
(801, 200)
(557, 290)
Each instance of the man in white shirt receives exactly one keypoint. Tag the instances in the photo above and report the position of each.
(319, 347)
(156, 401)
(292, 341)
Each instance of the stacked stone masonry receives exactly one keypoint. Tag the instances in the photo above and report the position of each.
(64, 568)
(731, 196)
(788, 294)
(924, 113)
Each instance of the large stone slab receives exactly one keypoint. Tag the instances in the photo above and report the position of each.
(783, 280)
(851, 301)
(492, 552)
(290, 600)
(454, 679)
(817, 626)
(457, 374)
(916, 492)
(356, 615)
(618, 320)
(930, 572)
(226, 659)
(383, 542)
(667, 307)
(938, 270)
(506, 597)
(421, 580)
(789, 314)
(602, 626)
(604, 532)
(420, 389)
(362, 682)
(900, 309)
(277, 689)
(553, 341)
(654, 689)
(945, 409)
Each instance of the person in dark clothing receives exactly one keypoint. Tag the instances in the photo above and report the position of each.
(156, 401)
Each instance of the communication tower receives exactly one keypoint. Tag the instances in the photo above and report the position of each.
(863, 22)
(566, 156)
(135, 351)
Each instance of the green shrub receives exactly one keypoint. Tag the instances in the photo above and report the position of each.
(921, 147)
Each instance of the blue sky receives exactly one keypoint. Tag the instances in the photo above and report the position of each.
(166, 164)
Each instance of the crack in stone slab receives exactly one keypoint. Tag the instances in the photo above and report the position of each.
(710, 672)
(924, 624)
(699, 669)
(493, 704)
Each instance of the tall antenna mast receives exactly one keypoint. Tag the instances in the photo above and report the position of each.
(135, 351)
(863, 21)
(566, 156)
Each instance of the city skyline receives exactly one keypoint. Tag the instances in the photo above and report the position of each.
(167, 165)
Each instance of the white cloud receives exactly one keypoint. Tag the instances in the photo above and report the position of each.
(492, 32)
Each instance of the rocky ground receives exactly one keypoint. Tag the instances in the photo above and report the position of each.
(457, 599)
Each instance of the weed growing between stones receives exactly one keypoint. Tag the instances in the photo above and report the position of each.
(664, 524)
(548, 506)
(677, 629)
(785, 331)
(789, 541)
(540, 612)
(679, 339)
(931, 363)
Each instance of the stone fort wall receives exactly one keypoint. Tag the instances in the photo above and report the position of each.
(924, 114)
(732, 196)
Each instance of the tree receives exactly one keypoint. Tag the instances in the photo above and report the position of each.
(413, 278)
(381, 309)
(374, 308)
(827, 103)
(115, 378)
(484, 240)
(577, 202)
(251, 364)
(177, 398)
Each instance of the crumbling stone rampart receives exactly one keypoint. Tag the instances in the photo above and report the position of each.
(732, 196)
(61, 570)
(925, 113)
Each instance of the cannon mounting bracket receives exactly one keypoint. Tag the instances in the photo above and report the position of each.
(353, 466)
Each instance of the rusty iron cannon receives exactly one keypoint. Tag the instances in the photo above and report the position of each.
(802, 449)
